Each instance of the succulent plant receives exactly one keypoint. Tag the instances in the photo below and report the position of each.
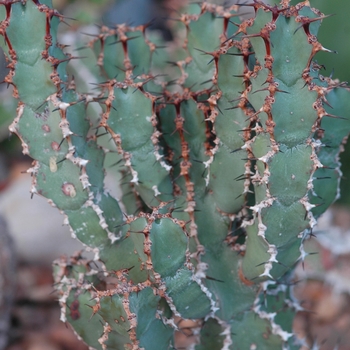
(228, 145)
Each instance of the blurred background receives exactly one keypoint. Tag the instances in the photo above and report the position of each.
(32, 234)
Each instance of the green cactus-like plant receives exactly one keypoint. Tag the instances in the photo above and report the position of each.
(226, 165)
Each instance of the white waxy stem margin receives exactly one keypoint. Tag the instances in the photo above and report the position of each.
(276, 329)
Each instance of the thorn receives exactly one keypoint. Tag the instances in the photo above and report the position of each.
(234, 107)
(88, 34)
(120, 225)
(41, 105)
(253, 158)
(116, 163)
(105, 133)
(214, 279)
(217, 106)
(236, 54)
(317, 196)
(59, 146)
(267, 89)
(62, 160)
(306, 21)
(241, 177)
(123, 41)
(305, 216)
(239, 196)
(333, 116)
(206, 81)
(55, 64)
(328, 50)
(81, 48)
(173, 63)
(311, 234)
(327, 103)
